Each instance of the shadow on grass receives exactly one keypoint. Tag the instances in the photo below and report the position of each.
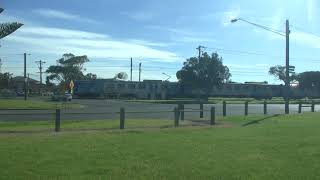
(259, 120)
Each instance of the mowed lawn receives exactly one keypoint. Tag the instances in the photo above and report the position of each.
(282, 147)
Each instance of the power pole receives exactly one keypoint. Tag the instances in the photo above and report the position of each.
(25, 76)
(199, 48)
(0, 65)
(139, 72)
(131, 71)
(287, 82)
(40, 69)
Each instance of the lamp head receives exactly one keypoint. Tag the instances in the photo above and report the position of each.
(234, 20)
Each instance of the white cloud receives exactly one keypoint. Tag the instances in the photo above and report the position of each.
(139, 15)
(311, 10)
(61, 33)
(306, 39)
(180, 35)
(147, 43)
(51, 13)
(58, 41)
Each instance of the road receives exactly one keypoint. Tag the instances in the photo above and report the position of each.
(108, 109)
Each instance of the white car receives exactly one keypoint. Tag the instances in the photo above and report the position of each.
(68, 97)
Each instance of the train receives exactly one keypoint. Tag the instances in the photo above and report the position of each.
(158, 89)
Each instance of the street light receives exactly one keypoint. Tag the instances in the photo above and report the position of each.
(287, 35)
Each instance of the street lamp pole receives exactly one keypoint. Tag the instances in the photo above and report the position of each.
(287, 35)
(287, 83)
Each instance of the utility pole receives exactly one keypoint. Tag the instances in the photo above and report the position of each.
(199, 48)
(40, 69)
(131, 71)
(139, 72)
(0, 65)
(25, 76)
(287, 82)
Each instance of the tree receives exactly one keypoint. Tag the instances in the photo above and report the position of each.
(90, 76)
(70, 68)
(206, 72)
(4, 80)
(8, 28)
(309, 80)
(280, 73)
(121, 76)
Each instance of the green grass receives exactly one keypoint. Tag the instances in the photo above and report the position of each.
(31, 126)
(34, 104)
(284, 147)
(217, 100)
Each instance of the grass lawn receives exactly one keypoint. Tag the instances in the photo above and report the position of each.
(217, 100)
(34, 104)
(283, 147)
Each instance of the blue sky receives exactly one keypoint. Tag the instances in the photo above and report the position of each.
(161, 35)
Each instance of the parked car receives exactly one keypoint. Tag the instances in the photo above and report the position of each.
(68, 97)
(60, 97)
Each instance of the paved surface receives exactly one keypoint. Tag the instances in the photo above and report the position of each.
(108, 109)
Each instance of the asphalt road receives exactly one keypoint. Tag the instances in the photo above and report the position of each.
(108, 109)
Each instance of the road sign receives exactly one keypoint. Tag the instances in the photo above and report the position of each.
(71, 85)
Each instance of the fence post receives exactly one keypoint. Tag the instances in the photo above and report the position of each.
(265, 108)
(58, 120)
(300, 107)
(201, 110)
(213, 116)
(312, 106)
(224, 108)
(246, 104)
(181, 109)
(176, 117)
(122, 118)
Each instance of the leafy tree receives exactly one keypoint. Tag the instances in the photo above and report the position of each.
(280, 73)
(309, 80)
(206, 72)
(90, 76)
(121, 75)
(70, 67)
(4, 80)
(8, 28)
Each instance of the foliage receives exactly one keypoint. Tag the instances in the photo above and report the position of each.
(121, 75)
(4, 78)
(8, 28)
(309, 80)
(206, 72)
(280, 73)
(70, 68)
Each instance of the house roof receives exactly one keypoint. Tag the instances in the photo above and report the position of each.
(21, 79)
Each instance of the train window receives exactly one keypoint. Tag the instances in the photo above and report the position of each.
(121, 85)
(132, 86)
(110, 86)
(142, 86)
